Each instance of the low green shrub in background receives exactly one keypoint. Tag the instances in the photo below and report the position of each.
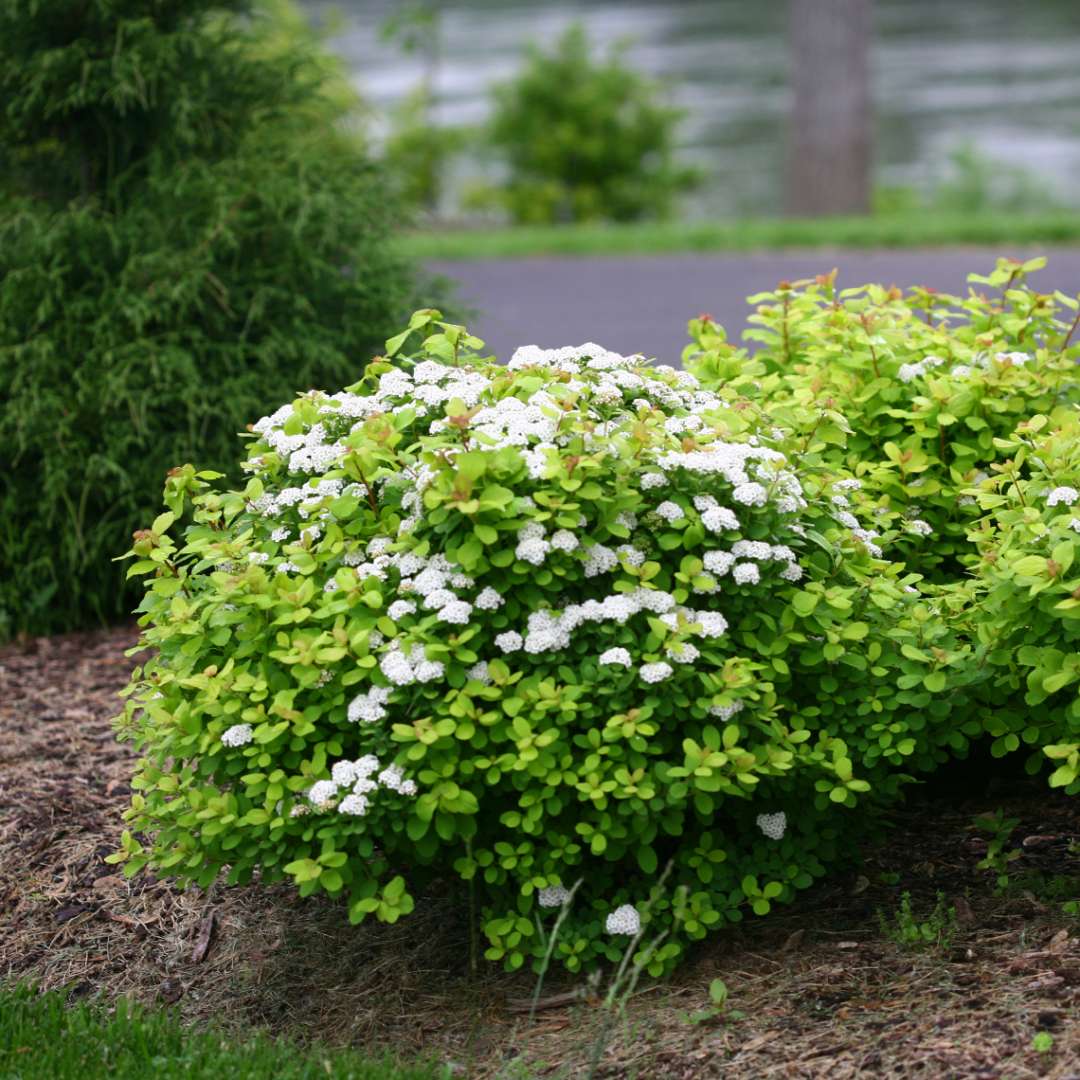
(189, 231)
(584, 138)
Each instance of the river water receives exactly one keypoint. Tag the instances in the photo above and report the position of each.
(1003, 75)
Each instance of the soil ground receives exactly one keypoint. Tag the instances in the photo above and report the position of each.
(816, 990)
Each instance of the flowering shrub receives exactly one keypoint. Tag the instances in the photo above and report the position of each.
(573, 621)
(1026, 604)
(909, 392)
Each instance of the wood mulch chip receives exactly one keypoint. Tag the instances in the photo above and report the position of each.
(816, 990)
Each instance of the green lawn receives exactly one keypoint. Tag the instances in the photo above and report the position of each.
(908, 230)
(43, 1039)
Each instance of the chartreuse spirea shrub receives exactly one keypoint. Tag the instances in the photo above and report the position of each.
(1026, 598)
(910, 392)
(570, 624)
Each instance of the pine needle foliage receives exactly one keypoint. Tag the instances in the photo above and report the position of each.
(188, 231)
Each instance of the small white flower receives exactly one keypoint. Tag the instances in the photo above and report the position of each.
(750, 494)
(773, 825)
(392, 777)
(1062, 495)
(670, 511)
(479, 672)
(457, 612)
(564, 540)
(396, 667)
(237, 735)
(654, 673)
(552, 896)
(1074, 524)
(599, 560)
(920, 527)
(533, 550)
(684, 653)
(509, 642)
(488, 600)
(746, 573)
(322, 791)
(726, 712)
(615, 656)
(713, 624)
(354, 804)
(623, 920)
(400, 608)
(653, 480)
(718, 562)
(718, 518)
(370, 706)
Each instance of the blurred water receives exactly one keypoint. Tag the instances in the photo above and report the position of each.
(1004, 74)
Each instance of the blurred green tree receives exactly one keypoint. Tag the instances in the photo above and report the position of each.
(584, 138)
(418, 150)
(189, 230)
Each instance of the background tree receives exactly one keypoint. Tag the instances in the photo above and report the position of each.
(585, 138)
(189, 230)
(831, 122)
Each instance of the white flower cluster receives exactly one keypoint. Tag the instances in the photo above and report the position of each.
(1062, 496)
(552, 896)
(404, 669)
(370, 705)
(654, 673)
(237, 735)
(909, 372)
(980, 362)
(623, 920)
(690, 473)
(355, 782)
(773, 825)
(726, 712)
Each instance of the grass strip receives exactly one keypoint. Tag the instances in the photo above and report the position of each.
(908, 230)
(42, 1037)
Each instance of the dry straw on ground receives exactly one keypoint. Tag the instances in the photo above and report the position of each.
(815, 991)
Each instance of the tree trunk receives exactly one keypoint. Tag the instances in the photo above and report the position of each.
(830, 143)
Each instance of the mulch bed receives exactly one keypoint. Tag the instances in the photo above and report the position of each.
(816, 990)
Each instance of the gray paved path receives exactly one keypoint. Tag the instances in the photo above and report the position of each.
(641, 304)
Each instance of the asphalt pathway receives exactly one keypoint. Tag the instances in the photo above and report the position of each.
(642, 303)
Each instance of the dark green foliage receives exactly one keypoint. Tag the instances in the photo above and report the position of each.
(188, 233)
(585, 138)
(43, 1037)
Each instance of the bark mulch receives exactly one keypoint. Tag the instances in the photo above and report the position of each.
(816, 990)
